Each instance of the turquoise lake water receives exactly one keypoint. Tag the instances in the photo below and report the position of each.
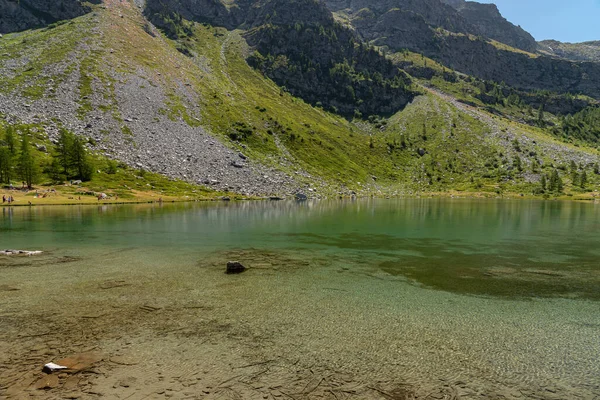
(496, 292)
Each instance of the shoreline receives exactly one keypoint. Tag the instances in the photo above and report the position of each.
(434, 195)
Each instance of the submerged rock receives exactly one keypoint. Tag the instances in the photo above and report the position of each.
(235, 267)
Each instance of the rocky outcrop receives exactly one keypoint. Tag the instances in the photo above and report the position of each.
(481, 59)
(434, 12)
(27, 14)
(397, 29)
(586, 51)
(456, 16)
(488, 21)
(209, 11)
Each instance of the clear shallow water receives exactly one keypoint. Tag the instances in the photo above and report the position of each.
(499, 248)
(494, 293)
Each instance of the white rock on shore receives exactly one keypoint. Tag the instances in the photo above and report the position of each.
(19, 253)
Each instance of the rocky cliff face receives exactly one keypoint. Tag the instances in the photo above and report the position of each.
(457, 16)
(26, 14)
(210, 11)
(586, 51)
(434, 12)
(479, 58)
(486, 19)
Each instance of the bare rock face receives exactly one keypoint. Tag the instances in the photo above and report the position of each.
(586, 51)
(214, 12)
(27, 14)
(486, 18)
(434, 12)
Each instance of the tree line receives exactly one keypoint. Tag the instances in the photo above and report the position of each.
(20, 162)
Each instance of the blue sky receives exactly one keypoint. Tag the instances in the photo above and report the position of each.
(564, 20)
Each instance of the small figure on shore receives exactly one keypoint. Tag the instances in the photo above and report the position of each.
(3, 199)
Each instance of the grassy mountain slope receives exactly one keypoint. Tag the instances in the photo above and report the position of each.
(188, 108)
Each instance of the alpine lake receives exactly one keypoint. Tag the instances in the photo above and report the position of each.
(364, 299)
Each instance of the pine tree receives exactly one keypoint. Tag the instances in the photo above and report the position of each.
(5, 164)
(583, 179)
(517, 164)
(28, 167)
(540, 119)
(81, 164)
(574, 173)
(556, 184)
(55, 170)
(543, 182)
(575, 179)
(63, 150)
(10, 140)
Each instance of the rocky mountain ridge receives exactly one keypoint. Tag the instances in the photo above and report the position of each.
(26, 14)
(455, 16)
(585, 51)
(487, 19)
(458, 36)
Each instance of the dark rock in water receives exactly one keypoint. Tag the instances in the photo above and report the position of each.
(226, 198)
(300, 196)
(275, 198)
(235, 267)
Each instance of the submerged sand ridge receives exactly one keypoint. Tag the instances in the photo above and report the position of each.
(319, 316)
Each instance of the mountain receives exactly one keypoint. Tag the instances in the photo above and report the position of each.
(462, 39)
(274, 97)
(487, 20)
(586, 51)
(27, 14)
